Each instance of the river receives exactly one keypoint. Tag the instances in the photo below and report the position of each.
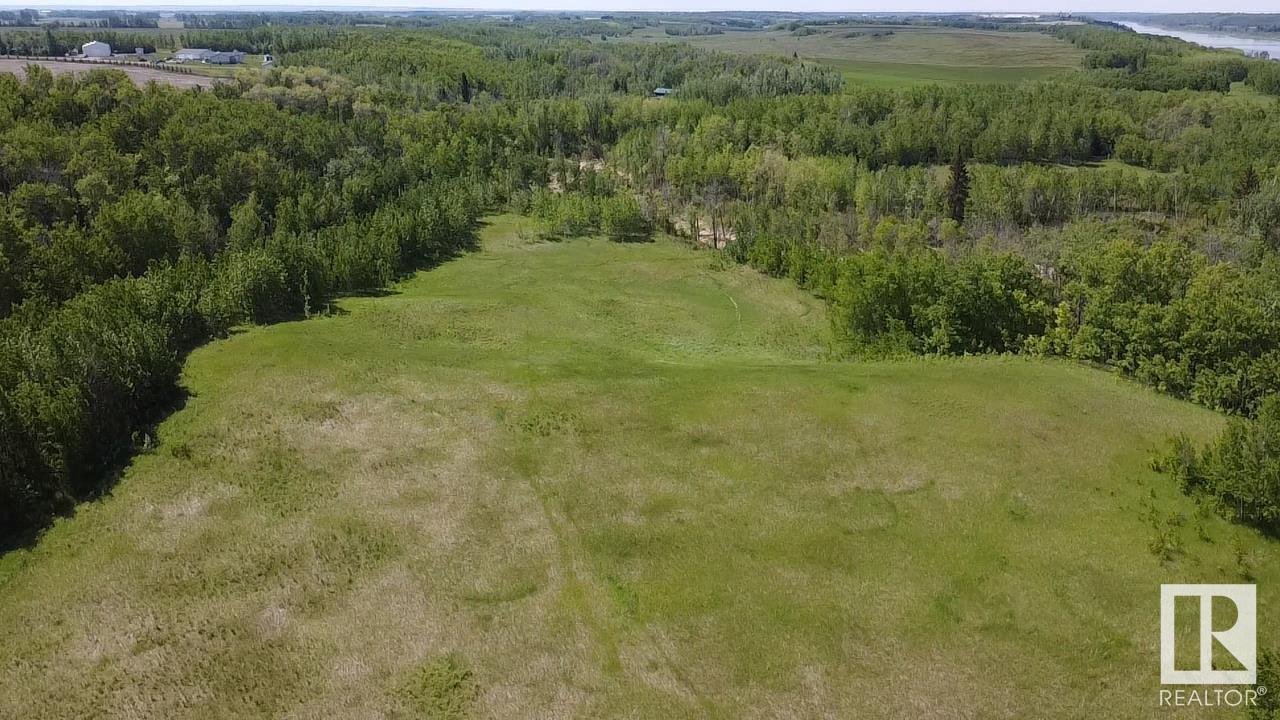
(1211, 39)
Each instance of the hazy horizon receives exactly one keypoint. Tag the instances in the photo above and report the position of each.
(827, 6)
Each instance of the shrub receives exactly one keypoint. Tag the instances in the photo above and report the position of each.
(923, 302)
(624, 220)
(246, 286)
(566, 215)
(1240, 470)
(360, 256)
(1265, 77)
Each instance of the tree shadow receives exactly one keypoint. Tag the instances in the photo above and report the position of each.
(633, 238)
(96, 479)
(372, 293)
(107, 471)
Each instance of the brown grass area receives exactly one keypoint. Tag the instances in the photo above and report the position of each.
(139, 75)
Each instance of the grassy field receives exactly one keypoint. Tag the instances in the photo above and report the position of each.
(251, 61)
(906, 56)
(586, 479)
(140, 74)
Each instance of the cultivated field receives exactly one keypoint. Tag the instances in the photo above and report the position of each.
(587, 479)
(139, 75)
(895, 56)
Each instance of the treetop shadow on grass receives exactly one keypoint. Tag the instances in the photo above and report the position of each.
(100, 478)
(107, 472)
(632, 238)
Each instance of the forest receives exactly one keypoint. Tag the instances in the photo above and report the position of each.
(1217, 21)
(602, 365)
(1126, 216)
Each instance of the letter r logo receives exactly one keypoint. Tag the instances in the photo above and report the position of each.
(1240, 640)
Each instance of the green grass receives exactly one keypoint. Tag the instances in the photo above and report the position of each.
(908, 56)
(219, 71)
(586, 479)
(890, 75)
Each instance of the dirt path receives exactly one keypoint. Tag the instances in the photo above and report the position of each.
(139, 75)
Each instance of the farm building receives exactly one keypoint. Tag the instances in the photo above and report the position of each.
(213, 57)
(192, 54)
(95, 48)
(231, 57)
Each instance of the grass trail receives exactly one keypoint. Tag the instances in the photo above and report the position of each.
(586, 479)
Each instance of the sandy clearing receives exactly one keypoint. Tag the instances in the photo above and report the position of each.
(139, 75)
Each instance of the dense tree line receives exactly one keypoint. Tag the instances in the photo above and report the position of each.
(1089, 218)
(137, 223)
(504, 63)
(1121, 58)
(102, 19)
(692, 30)
(1239, 471)
(253, 20)
(1161, 311)
(1226, 21)
(61, 42)
(869, 214)
(56, 41)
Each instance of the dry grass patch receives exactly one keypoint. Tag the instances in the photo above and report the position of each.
(599, 480)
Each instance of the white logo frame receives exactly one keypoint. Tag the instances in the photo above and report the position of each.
(1241, 640)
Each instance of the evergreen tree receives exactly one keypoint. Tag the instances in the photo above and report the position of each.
(958, 188)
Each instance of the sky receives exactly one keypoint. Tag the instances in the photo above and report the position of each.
(694, 5)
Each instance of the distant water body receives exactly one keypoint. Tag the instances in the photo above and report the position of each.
(1217, 40)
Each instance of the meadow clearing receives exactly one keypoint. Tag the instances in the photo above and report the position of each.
(894, 56)
(590, 479)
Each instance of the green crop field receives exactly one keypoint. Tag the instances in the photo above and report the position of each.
(587, 479)
(889, 56)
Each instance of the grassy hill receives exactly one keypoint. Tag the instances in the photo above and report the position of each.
(893, 56)
(586, 479)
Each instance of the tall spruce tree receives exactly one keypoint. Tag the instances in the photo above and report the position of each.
(466, 88)
(958, 188)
